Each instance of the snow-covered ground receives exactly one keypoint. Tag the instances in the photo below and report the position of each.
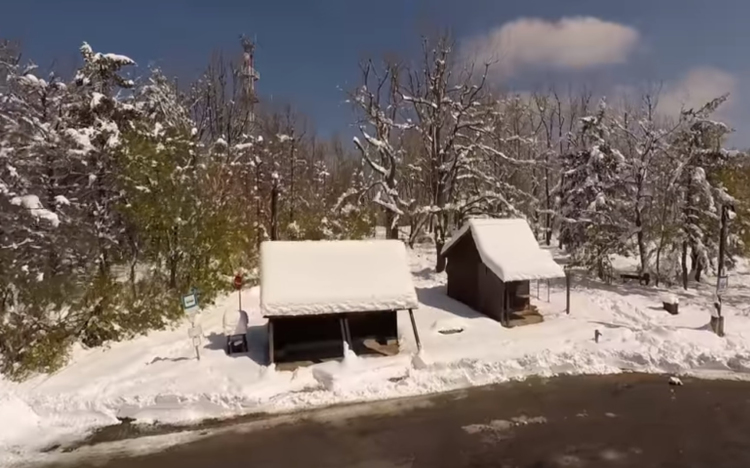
(157, 378)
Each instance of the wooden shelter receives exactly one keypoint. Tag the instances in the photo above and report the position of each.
(491, 263)
(320, 295)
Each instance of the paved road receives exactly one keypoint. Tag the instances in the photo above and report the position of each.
(621, 421)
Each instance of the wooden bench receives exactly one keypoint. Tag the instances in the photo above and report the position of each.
(643, 279)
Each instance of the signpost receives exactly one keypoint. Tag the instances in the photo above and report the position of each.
(722, 284)
(190, 306)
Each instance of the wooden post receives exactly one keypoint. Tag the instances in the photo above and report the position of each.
(270, 342)
(348, 331)
(414, 327)
(195, 339)
(567, 291)
(537, 290)
(547, 289)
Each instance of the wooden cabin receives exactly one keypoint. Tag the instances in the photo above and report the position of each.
(490, 263)
(319, 296)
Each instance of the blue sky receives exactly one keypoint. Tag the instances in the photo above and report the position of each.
(308, 49)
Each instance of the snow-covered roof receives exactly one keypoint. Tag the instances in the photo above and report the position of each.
(509, 249)
(329, 277)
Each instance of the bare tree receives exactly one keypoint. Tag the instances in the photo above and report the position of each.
(445, 103)
(379, 101)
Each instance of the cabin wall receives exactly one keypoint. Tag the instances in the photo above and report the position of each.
(471, 282)
(463, 272)
(491, 293)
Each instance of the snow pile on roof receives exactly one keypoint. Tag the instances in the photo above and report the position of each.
(326, 277)
(509, 249)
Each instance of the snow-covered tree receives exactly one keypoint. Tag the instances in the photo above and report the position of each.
(178, 229)
(699, 152)
(644, 138)
(95, 121)
(36, 228)
(499, 176)
(446, 103)
(591, 195)
(379, 103)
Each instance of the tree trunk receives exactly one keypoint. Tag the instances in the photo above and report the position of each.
(697, 265)
(291, 185)
(686, 234)
(441, 222)
(548, 215)
(391, 228)
(275, 211)
(698, 272)
(658, 264)
(600, 265)
(684, 264)
(641, 240)
(173, 272)
(441, 260)
(258, 210)
(173, 259)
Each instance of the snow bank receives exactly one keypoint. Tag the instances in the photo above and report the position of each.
(157, 378)
(24, 419)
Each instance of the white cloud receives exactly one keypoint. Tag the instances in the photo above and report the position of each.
(571, 43)
(697, 87)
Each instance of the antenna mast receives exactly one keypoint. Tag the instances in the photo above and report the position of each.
(249, 77)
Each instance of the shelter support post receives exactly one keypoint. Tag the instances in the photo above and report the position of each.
(348, 331)
(547, 289)
(344, 333)
(414, 327)
(537, 290)
(270, 342)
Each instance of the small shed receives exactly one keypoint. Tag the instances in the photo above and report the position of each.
(319, 294)
(491, 263)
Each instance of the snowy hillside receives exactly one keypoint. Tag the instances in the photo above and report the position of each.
(157, 378)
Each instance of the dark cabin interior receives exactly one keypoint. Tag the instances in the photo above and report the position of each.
(316, 338)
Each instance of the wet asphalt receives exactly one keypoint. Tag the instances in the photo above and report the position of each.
(628, 420)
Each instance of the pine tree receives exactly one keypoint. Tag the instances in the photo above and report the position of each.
(591, 196)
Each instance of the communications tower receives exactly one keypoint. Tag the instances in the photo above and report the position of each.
(249, 77)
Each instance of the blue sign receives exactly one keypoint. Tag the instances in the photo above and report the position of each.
(190, 302)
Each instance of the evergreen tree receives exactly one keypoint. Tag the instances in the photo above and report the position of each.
(591, 196)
